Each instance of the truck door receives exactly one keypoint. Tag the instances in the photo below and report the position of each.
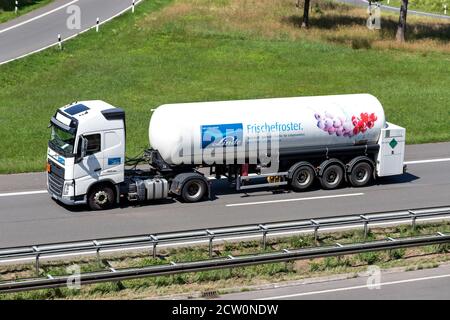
(114, 155)
(89, 169)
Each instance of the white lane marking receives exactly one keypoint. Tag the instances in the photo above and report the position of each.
(354, 287)
(72, 36)
(295, 199)
(39, 16)
(24, 193)
(427, 161)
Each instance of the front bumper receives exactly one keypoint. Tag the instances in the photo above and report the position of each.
(68, 200)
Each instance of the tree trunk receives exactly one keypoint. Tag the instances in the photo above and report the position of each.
(402, 22)
(305, 22)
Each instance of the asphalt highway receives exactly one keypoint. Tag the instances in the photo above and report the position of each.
(39, 29)
(427, 284)
(29, 216)
(388, 8)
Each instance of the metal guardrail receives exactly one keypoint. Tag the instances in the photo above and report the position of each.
(221, 263)
(96, 246)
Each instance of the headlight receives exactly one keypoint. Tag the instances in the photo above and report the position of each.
(68, 188)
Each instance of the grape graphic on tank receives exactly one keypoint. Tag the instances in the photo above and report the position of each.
(341, 126)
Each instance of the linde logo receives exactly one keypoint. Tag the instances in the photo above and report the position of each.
(222, 135)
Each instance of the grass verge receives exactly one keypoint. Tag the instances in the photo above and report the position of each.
(217, 280)
(197, 50)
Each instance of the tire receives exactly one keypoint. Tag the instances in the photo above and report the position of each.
(101, 198)
(332, 176)
(193, 190)
(302, 178)
(361, 174)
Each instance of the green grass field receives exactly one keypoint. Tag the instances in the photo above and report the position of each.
(9, 15)
(435, 6)
(170, 52)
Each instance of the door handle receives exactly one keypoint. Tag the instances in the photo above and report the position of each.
(97, 170)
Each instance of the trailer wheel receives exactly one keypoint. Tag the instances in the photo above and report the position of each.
(101, 197)
(361, 174)
(332, 176)
(302, 178)
(193, 190)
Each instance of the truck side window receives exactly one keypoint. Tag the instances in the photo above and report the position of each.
(94, 144)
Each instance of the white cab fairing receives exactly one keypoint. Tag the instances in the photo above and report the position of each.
(102, 125)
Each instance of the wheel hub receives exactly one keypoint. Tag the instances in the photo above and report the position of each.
(332, 177)
(361, 174)
(193, 189)
(303, 177)
(101, 197)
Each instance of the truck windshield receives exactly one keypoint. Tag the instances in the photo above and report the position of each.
(62, 139)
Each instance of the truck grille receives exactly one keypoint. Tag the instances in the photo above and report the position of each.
(55, 179)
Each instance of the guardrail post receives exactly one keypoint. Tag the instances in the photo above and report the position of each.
(316, 230)
(413, 219)
(97, 250)
(132, 6)
(155, 243)
(264, 235)
(366, 226)
(37, 262)
(339, 256)
(392, 240)
(211, 238)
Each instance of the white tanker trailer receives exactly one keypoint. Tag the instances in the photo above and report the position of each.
(254, 143)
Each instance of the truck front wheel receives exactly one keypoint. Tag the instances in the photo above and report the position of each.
(101, 197)
(193, 190)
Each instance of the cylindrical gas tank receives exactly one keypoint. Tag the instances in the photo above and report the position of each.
(189, 128)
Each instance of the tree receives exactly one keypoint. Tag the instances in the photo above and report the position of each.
(400, 36)
(305, 19)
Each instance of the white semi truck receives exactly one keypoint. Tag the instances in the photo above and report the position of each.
(261, 143)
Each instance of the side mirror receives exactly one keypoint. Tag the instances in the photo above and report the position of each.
(83, 148)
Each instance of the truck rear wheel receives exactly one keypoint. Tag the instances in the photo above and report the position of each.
(101, 197)
(193, 190)
(332, 176)
(360, 174)
(302, 178)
